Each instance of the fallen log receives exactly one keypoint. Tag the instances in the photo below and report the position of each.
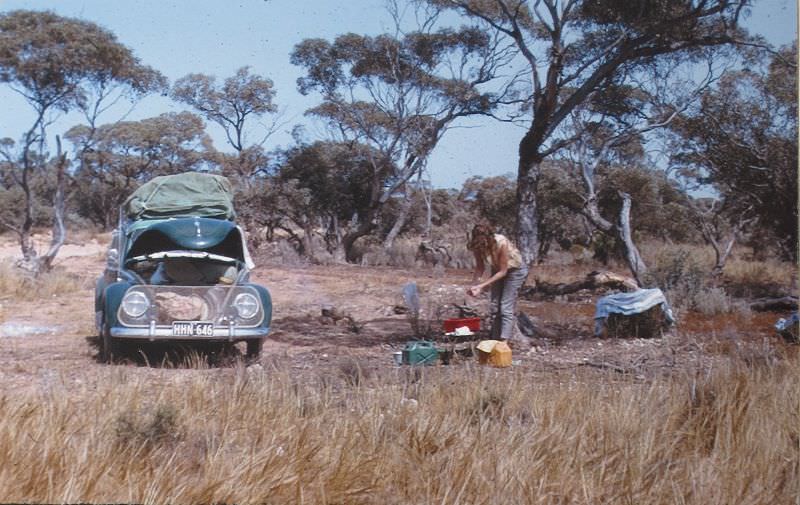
(593, 281)
(782, 304)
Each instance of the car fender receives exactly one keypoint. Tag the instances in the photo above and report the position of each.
(112, 297)
(266, 302)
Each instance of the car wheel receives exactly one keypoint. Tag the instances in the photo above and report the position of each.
(109, 346)
(254, 347)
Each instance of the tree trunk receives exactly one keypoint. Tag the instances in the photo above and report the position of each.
(59, 233)
(333, 239)
(782, 304)
(721, 256)
(632, 256)
(308, 239)
(349, 241)
(399, 221)
(621, 230)
(527, 210)
(25, 239)
(428, 213)
(593, 281)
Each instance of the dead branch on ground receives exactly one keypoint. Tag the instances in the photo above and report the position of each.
(593, 281)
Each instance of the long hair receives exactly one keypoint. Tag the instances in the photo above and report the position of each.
(481, 240)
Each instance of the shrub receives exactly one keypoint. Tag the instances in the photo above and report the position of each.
(679, 275)
(713, 301)
(402, 254)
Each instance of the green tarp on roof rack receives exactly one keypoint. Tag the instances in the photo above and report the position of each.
(182, 195)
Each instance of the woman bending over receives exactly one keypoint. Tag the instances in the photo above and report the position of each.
(508, 273)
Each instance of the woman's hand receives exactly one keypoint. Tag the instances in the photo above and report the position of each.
(474, 290)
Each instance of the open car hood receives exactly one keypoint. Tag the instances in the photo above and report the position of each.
(205, 235)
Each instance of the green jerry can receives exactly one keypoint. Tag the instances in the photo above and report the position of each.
(420, 352)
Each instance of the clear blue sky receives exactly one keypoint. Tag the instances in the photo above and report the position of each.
(219, 36)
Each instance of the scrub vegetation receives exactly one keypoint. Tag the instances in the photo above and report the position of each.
(471, 435)
(658, 141)
(707, 413)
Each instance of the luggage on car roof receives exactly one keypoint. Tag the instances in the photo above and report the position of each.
(182, 195)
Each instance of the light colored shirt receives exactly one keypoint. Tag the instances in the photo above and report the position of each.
(514, 256)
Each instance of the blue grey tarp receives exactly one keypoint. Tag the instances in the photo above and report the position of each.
(628, 304)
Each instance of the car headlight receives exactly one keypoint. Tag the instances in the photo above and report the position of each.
(246, 305)
(135, 304)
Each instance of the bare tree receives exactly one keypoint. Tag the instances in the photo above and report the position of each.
(719, 228)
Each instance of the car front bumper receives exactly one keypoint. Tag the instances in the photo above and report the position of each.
(221, 333)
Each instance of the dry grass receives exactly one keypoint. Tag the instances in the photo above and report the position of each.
(15, 284)
(401, 254)
(741, 267)
(83, 235)
(761, 278)
(478, 436)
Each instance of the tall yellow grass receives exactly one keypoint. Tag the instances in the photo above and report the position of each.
(444, 435)
(15, 284)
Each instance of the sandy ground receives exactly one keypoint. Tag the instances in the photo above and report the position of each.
(53, 339)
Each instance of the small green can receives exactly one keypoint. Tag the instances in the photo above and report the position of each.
(420, 352)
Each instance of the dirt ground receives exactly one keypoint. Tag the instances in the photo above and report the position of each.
(53, 339)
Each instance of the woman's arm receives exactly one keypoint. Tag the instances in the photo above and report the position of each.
(479, 267)
(502, 270)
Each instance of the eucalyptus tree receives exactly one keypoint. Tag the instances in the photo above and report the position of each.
(126, 154)
(741, 140)
(58, 64)
(335, 179)
(235, 104)
(573, 49)
(398, 93)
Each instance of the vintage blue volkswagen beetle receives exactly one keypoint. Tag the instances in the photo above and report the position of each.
(178, 270)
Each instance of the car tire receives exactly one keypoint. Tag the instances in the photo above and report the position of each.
(254, 347)
(109, 346)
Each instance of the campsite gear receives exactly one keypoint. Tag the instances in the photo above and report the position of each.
(420, 352)
(189, 194)
(788, 328)
(494, 353)
(411, 297)
(398, 357)
(628, 304)
(461, 331)
(473, 323)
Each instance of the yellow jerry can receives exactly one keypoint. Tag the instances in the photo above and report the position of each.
(494, 353)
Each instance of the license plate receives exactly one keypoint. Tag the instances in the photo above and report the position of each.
(192, 329)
